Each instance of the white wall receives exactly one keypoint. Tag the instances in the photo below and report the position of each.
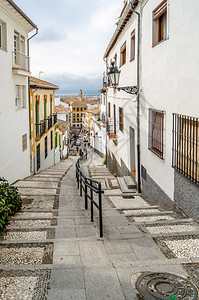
(14, 164)
(121, 98)
(98, 137)
(170, 79)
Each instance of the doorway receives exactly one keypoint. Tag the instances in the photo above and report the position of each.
(132, 151)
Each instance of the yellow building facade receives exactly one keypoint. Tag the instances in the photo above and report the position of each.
(46, 138)
(78, 109)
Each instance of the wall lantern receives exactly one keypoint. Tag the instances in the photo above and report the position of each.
(114, 74)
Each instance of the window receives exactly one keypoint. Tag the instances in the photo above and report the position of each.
(123, 54)
(73, 120)
(132, 57)
(20, 96)
(73, 115)
(156, 132)
(81, 108)
(46, 146)
(73, 109)
(3, 35)
(77, 109)
(45, 102)
(24, 142)
(38, 157)
(77, 115)
(51, 139)
(17, 96)
(51, 104)
(185, 149)
(109, 109)
(23, 95)
(160, 23)
(121, 119)
(19, 50)
(115, 59)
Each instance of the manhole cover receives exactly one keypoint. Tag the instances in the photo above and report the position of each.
(165, 286)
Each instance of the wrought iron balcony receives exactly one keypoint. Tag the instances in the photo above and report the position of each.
(110, 129)
(40, 129)
(54, 118)
(50, 122)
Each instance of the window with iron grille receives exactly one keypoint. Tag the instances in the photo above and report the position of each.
(109, 109)
(156, 132)
(185, 149)
(46, 146)
(121, 119)
(51, 139)
(38, 157)
(24, 142)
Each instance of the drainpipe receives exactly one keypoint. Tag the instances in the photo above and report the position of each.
(138, 99)
(28, 52)
(105, 60)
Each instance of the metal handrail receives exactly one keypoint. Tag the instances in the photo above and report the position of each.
(85, 183)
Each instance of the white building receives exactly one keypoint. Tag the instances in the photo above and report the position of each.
(168, 98)
(14, 103)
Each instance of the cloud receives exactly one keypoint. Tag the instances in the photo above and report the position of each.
(73, 36)
(70, 84)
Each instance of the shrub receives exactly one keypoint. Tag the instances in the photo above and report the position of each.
(105, 162)
(10, 202)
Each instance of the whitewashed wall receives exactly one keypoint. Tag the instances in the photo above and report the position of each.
(14, 163)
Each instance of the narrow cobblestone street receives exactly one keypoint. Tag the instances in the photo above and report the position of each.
(51, 250)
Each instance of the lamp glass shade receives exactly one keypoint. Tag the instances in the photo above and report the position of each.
(114, 75)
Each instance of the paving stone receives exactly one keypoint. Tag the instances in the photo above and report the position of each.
(93, 252)
(67, 279)
(29, 191)
(64, 233)
(86, 231)
(103, 284)
(114, 246)
(145, 249)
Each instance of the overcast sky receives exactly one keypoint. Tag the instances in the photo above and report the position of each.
(73, 36)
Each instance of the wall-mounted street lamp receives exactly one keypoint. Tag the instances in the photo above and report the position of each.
(114, 74)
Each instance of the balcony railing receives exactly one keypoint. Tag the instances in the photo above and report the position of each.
(21, 61)
(54, 118)
(40, 129)
(110, 130)
(50, 122)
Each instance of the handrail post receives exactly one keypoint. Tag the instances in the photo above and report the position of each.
(80, 183)
(86, 199)
(91, 195)
(100, 209)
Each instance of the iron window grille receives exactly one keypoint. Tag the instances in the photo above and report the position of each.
(185, 148)
(121, 119)
(51, 139)
(38, 157)
(156, 132)
(46, 147)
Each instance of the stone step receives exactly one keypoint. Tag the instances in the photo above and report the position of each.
(164, 222)
(36, 184)
(107, 184)
(123, 186)
(129, 182)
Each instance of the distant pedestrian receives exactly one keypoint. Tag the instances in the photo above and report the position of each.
(88, 145)
(77, 148)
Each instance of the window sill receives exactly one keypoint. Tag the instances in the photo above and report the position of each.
(158, 43)
(132, 59)
(156, 152)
